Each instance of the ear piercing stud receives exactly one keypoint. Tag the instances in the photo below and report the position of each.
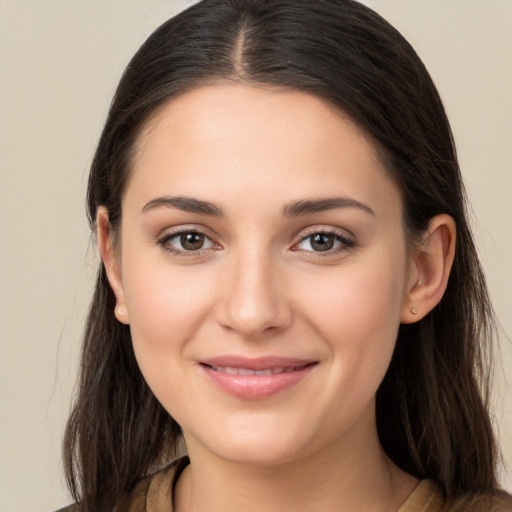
(414, 311)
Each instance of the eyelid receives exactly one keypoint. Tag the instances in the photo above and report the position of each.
(328, 230)
(325, 228)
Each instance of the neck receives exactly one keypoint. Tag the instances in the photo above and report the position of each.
(354, 474)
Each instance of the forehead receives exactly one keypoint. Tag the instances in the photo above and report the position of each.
(230, 140)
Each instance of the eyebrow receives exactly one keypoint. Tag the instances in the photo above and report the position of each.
(187, 204)
(295, 209)
(310, 206)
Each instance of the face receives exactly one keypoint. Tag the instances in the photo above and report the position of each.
(262, 269)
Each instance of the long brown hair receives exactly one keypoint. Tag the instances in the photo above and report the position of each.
(432, 413)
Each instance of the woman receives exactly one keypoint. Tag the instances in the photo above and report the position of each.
(289, 283)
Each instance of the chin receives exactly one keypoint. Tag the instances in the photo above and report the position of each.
(257, 447)
(262, 455)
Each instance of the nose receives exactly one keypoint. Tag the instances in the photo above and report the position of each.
(253, 302)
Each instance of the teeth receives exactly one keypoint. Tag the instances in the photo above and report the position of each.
(245, 371)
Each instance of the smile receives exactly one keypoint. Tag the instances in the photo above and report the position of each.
(246, 371)
(255, 379)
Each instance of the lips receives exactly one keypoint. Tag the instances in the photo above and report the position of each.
(255, 378)
(246, 371)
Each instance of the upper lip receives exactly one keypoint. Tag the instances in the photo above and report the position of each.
(255, 363)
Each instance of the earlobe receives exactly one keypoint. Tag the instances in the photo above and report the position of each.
(431, 263)
(112, 264)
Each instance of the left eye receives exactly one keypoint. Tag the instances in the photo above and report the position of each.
(188, 241)
(322, 242)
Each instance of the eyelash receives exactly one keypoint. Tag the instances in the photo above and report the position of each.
(345, 243)
(164, 242)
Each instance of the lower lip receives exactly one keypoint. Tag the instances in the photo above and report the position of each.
(256, 387)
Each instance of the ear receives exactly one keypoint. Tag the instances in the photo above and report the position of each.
(112, 263)
(431, 262)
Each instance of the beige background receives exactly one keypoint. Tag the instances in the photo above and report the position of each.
(59, 64)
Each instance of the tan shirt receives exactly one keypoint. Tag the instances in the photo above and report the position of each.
(155, 494)
(424, 498)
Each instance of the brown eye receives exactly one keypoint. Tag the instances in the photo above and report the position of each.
(322, 242)
(192, 241)
(185, 242)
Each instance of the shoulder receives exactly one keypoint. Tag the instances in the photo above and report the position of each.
(153, 492)
(495, 501)
(70, 508)
(427, 497)
(502, 502)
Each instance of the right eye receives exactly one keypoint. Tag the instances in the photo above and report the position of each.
(183, 242)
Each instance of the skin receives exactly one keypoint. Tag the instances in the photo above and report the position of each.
(259, 287)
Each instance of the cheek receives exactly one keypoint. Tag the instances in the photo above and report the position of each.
(357, 311)
(165, 307)
(359, 296)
